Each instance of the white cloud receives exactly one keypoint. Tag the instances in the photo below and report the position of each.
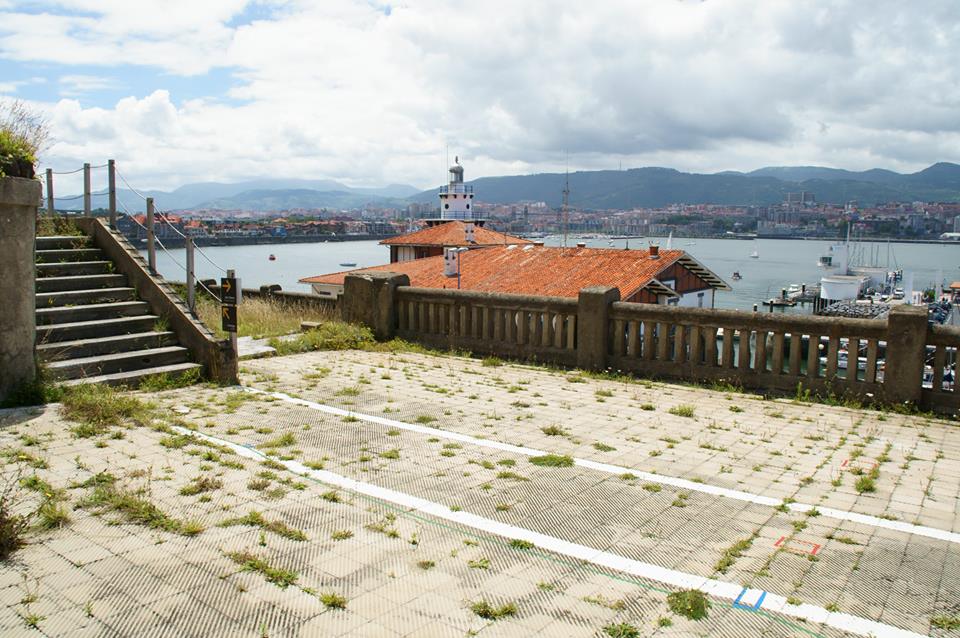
(339, 89)
(73, 85)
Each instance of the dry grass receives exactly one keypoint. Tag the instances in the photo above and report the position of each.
(259, 318)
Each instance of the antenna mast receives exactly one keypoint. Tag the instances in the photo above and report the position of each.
(566, 203)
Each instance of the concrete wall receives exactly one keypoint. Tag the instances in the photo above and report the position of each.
(768, 352)
(19, 199)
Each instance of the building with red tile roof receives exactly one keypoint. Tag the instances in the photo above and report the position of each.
(645, 276)
(431, 241)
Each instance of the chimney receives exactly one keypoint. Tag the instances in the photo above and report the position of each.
(654, 251)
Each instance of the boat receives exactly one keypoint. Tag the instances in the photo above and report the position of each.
(348, 264)
(736, 276)
(755, 255)
(272, 257)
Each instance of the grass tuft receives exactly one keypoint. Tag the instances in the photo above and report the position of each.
(552, 460)
(250, 562)
(254, 518)
(488, 611)
(689, 603)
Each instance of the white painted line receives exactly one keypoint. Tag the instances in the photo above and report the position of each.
(647, 571)
(703, 488)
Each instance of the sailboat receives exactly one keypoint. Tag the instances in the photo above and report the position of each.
(755, 254)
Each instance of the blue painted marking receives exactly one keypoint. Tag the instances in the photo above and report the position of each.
(755, 607)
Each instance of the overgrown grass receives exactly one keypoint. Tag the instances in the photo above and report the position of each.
(96, 408)
(331, 335)
(261, 317)
(256, 519)
(621, 630)
(167, 381)
(731, 554)
(133, 508)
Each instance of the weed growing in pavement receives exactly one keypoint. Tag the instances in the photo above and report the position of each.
(131, 506)
(201, 484)
(489, 611)
(732, 553)
(616, 605)
(687, 411)
(426, 564)
(552, 460)
(621, 630)
(946, 621)
(341, 535)
(689, 603)
(333, 600)
(256, 519)
(250, 562)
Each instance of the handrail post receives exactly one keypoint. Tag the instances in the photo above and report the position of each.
(112, 198)
(50, 208)
(86, 189)
(191, 285)
(151, 245)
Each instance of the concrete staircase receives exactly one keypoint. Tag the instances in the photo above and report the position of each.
(91, 328)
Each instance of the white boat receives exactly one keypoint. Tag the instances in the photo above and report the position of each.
(755, 255)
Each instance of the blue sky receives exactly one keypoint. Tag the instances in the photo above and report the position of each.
(369, 93)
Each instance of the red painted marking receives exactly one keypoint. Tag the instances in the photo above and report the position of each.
(790, 546)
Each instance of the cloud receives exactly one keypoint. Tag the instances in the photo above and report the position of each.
(367, 94)
(73, 85)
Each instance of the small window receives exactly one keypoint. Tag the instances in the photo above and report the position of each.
(468, 206)
(446, 206)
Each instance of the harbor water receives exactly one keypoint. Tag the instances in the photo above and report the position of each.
(780, 262)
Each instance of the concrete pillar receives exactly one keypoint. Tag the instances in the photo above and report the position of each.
(369, 299)
(593, 326)
(906, 352)
(19, 199)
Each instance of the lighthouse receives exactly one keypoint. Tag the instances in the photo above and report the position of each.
(456, 199)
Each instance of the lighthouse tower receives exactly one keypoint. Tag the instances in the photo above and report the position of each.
(456, 199)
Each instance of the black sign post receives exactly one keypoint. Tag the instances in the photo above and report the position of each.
(230, 290)
(228, 318)
(229, 298)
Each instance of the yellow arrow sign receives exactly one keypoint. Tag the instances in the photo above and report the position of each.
(226, 285)
(224, 312)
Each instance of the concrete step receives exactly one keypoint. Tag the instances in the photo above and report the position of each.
(116, 362)
(74, 268)
(79, 297)
(55, 242)
(61, 255)
(92, 329)
(89, 312)
(80, 282)
(132, 379)
(58, 350)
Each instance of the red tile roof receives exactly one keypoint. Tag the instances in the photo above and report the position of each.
(537, 270)
(453, 234)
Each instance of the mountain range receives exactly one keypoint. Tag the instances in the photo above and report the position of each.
(253, 195)
(622, 189)
(657, 187)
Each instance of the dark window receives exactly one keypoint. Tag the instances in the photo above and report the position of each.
(446, 206)
(468, 206)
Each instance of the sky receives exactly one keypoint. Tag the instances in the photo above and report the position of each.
(371, 93)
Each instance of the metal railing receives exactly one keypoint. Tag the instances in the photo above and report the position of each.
(151, 217)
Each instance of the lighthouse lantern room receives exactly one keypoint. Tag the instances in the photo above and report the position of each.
(456, 198)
